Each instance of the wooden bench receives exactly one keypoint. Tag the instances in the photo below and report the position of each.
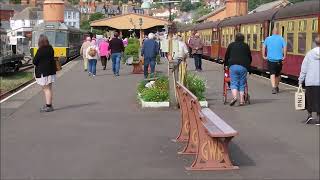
(188, 129)
(206, 134)
(214, 137)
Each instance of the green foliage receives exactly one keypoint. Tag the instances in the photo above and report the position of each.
(74, 2)
(141, 86)
(196, 85)
(158, 93)
(155, 95)
(96, 16)
(162, 83)
(85, 24)
(15, 1)
(201, 11)
(132, 49)
(186, 6)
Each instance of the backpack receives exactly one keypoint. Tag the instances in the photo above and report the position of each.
(92, 52)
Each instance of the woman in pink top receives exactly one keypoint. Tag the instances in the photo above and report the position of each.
(104, 52)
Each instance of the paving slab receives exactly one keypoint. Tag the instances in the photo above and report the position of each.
(99, 131)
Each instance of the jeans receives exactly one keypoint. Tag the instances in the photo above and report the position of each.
(116, 58)
(152, 62)
(92, 66)
(197, 61)
(238, 77)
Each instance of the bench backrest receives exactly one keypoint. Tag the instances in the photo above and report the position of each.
(215, 126)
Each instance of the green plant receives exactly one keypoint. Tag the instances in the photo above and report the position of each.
(141, 86)
(158, 93)
(196, 85)
(154, 95)
(132, 49)
(162, 83)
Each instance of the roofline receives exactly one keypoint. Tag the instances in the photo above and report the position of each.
(99, 20)
(204, 17)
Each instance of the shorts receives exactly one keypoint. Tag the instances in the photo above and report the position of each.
(275, 68)
(46, 80)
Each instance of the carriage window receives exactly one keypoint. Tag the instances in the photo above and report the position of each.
(313, 44)
(254, 41)
(231, 38)
(291, 26)
(302, 25)
(290, 45)
(315, 25)
(222, 41)
(302, 43)
(61, 39)
(249, 40)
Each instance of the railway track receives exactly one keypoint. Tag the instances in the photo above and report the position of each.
(3, 95)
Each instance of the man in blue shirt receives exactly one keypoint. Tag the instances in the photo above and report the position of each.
(276, 53)
(149, 51)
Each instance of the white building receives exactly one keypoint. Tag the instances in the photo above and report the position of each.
(72, 16)
(21, 25)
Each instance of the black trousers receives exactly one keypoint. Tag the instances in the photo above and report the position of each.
(103, 61)
(198, 61)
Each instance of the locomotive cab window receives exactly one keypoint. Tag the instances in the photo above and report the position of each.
(61, 39)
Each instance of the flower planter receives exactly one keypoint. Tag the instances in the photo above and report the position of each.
(145, 104)
(204, 103)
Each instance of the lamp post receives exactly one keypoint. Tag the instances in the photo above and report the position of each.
(141, 33)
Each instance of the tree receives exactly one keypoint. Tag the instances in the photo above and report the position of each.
(201, 11)
(15, 1)
(85, 24)
(96, 16)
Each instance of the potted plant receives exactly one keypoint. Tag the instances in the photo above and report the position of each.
(132, 50)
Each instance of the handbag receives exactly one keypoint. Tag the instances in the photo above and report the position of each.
(300, 99)
(58, 64)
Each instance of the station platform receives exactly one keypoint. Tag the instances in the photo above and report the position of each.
(98, 131)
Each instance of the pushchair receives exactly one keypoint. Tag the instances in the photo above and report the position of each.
(226, 87)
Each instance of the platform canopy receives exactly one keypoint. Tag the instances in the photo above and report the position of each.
(129, 21)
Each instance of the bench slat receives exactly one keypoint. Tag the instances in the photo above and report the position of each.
(216, 126)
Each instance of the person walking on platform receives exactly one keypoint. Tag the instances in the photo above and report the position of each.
(182, 49)
(238, 59)
(189, 42)
(197, 46)
(276, 54)
(149, 51)
(310, 75)
(83, 52)
(45, 70)
(116, 47)
(92, 54)
(104, 52)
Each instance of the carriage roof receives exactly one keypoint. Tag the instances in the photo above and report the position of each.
(305, 8)
(207, 25)
(258, 17)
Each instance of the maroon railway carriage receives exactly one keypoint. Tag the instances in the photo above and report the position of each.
(210, 37)
(299, 25)
(254, 27)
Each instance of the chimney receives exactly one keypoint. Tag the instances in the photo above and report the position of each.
(33, 2)
(53, 11)
(236, 7)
